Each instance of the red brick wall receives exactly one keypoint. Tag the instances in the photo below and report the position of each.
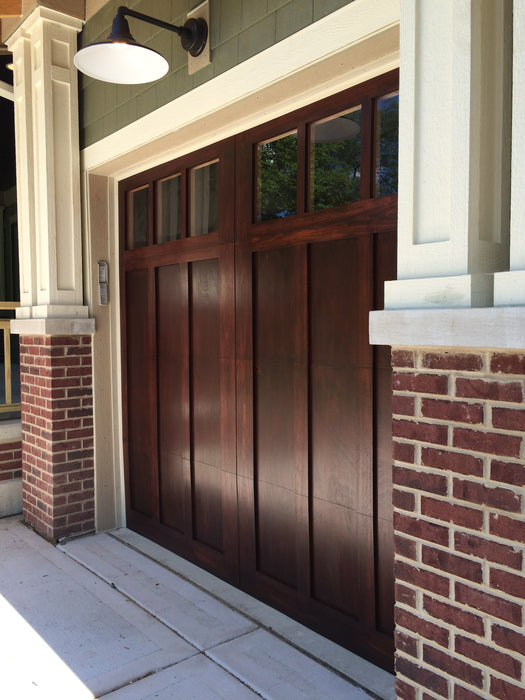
(459, 518)
(57, 434)
(10, 460)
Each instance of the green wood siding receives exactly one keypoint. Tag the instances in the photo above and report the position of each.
(239, 29)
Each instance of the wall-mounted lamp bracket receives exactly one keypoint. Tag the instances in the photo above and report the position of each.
(120, 59)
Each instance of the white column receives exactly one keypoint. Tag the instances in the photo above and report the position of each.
(21, 49)
(454, 160)
(509, 287)
(48, 172)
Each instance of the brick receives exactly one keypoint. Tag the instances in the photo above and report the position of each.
(404, 547)
(452, 461)
(465, 362)
(509, 639)
(403, 452)
(422, 432)
(510, 583)
(489, 390)
(421, 529)
(421, 578)
(486, 549)
(480, 494)
(403, 358)
(461, 693)
(453, 615)
(80, 496)
(420, 480)
(422, 676)
(508, 418)
(405, 643)
(455, 411)
(508, 472)
(503, 690)
(487, 442)
(405, 691)
(488, 656)
(490, 604)
(452, 564)
(453, 666)
(403, 405)
(508, 528)
(422, 627)
(403, 500)
(508, 363)
(87, 516)
(451, 513)
(405, 595)
(63, 340)
(420, 383)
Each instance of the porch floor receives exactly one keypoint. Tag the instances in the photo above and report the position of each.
(114, 615)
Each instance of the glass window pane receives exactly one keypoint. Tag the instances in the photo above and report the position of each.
(168, 210)
(386, 145)
(138, 217)
(277, 178)
(205, 199)
(335, 162)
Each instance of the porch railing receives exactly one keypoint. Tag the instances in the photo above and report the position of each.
(9, 364)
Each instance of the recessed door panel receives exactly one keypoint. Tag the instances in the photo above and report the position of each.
(140, 399)
(173, 393)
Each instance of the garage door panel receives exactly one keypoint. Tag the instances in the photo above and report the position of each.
(173, 392)
(337, 556)
(140, 406)
(207, 490)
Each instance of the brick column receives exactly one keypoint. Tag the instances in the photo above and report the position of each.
(57, 434)
(459, 473)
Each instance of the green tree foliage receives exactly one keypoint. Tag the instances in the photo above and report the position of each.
(277, 178)
(335, 169)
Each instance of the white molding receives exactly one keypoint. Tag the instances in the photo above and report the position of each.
(348, 46)
(500, 328)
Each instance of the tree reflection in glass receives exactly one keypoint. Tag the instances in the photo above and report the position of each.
(335, 160)
(277, 178)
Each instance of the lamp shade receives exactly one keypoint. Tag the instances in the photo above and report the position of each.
(120, 59)
(124, 63)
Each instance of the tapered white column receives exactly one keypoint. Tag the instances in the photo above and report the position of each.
(509, 287)
(48, 173)
(454, 159)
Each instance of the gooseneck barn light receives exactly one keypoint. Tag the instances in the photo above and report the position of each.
(120, 59)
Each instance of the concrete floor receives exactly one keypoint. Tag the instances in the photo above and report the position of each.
(113, 615)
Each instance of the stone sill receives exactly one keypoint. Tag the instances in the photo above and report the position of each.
(495, 328)
(53, 326)
(10, 430)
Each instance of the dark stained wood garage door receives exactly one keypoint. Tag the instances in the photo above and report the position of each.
(256, 414)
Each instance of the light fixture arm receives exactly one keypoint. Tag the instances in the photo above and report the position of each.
(193, 34)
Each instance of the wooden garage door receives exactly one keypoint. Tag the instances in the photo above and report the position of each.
(257, 415)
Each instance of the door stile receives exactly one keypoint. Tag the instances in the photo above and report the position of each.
(302, 430)
(152, 385)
